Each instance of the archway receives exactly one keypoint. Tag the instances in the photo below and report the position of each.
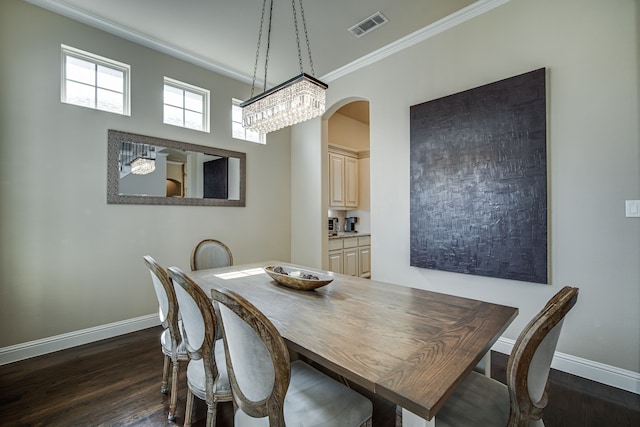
(346, 142)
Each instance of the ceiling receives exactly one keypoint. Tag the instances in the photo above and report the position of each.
(357, 110)
(222, 35)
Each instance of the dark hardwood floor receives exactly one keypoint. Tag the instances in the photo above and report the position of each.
(578, 402)
(116, 382)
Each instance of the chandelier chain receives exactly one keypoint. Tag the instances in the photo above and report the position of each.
(306, 36)
(295, 25)
(296, 100)
(270, 24)
(255, 65)
(266, 58)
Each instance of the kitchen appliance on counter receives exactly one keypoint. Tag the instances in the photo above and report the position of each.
(350, 224)
(333, 226)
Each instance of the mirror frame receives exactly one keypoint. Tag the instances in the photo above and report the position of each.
(115, 137)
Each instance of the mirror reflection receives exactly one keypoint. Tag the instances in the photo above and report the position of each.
(149, 170)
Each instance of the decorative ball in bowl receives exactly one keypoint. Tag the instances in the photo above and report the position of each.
(296, 278)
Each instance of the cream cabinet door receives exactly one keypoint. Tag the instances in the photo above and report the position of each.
(336, 261)
(351, 262)
(364, 261)
(336, 180)
(351, 182)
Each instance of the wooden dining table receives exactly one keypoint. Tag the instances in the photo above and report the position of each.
(411, 346)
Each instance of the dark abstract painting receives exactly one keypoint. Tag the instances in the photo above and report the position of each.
(479, 181)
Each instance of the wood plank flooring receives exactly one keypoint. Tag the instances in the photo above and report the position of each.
(578, 402)
(116, 382)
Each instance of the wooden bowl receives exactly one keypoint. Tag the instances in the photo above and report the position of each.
(293, 279)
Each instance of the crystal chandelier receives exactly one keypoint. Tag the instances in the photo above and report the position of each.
(143, 166)
(294, 101)
(143, 156)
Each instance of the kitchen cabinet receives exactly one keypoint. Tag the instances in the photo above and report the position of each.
(364, 261)
(336, 256)
(350, 255)
(336, 261)
(343, 181)
(350, 262)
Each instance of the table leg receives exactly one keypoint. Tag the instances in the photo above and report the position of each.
(486, 359)
(484, 366)
(409, 419)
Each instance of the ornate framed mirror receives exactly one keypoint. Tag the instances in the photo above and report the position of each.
(146, 170)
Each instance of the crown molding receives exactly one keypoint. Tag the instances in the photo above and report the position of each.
(446, 23)
(463, 15)
(126, 33)
(348, 151)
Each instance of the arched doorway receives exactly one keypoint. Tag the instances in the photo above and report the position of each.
(348, 185)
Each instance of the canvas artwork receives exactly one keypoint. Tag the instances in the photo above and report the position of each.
(479, 181)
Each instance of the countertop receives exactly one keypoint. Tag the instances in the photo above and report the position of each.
(343, 234)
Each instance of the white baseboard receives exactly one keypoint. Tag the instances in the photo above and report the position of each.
(39, 347)
(595, 371)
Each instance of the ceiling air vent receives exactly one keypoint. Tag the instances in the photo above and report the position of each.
(368, 25)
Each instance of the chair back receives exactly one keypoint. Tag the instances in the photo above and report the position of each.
(257, 358)
(168, 305)
(210, 253)
(530, 361)
(199, 321)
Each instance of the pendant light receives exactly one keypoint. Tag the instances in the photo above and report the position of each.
(143, 159)
(296, 100)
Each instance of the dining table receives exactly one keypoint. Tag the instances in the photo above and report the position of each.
(410, 346)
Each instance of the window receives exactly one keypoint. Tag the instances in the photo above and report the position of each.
(238, 131)
(95, 82)
(186, 105)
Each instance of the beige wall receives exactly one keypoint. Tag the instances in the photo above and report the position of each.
(308, 217)
(68, 260)
(348, 132)
(590, 49)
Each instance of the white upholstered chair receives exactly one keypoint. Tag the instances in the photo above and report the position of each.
(207, 371)
(268, 389)
(171, 341)
(482, 401)
(210, 253)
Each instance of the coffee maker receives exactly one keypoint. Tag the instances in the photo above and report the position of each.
(333, 226)
(350, 224)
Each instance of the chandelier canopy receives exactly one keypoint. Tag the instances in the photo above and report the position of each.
(298, 99)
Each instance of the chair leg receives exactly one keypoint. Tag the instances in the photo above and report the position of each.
(344, 381)
(188, 409)
(173, 402)
(211, 414)
(398, 416)
(164, 388)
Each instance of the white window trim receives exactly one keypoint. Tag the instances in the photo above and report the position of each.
(194, 89)
(262, 139)
(101, 60)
